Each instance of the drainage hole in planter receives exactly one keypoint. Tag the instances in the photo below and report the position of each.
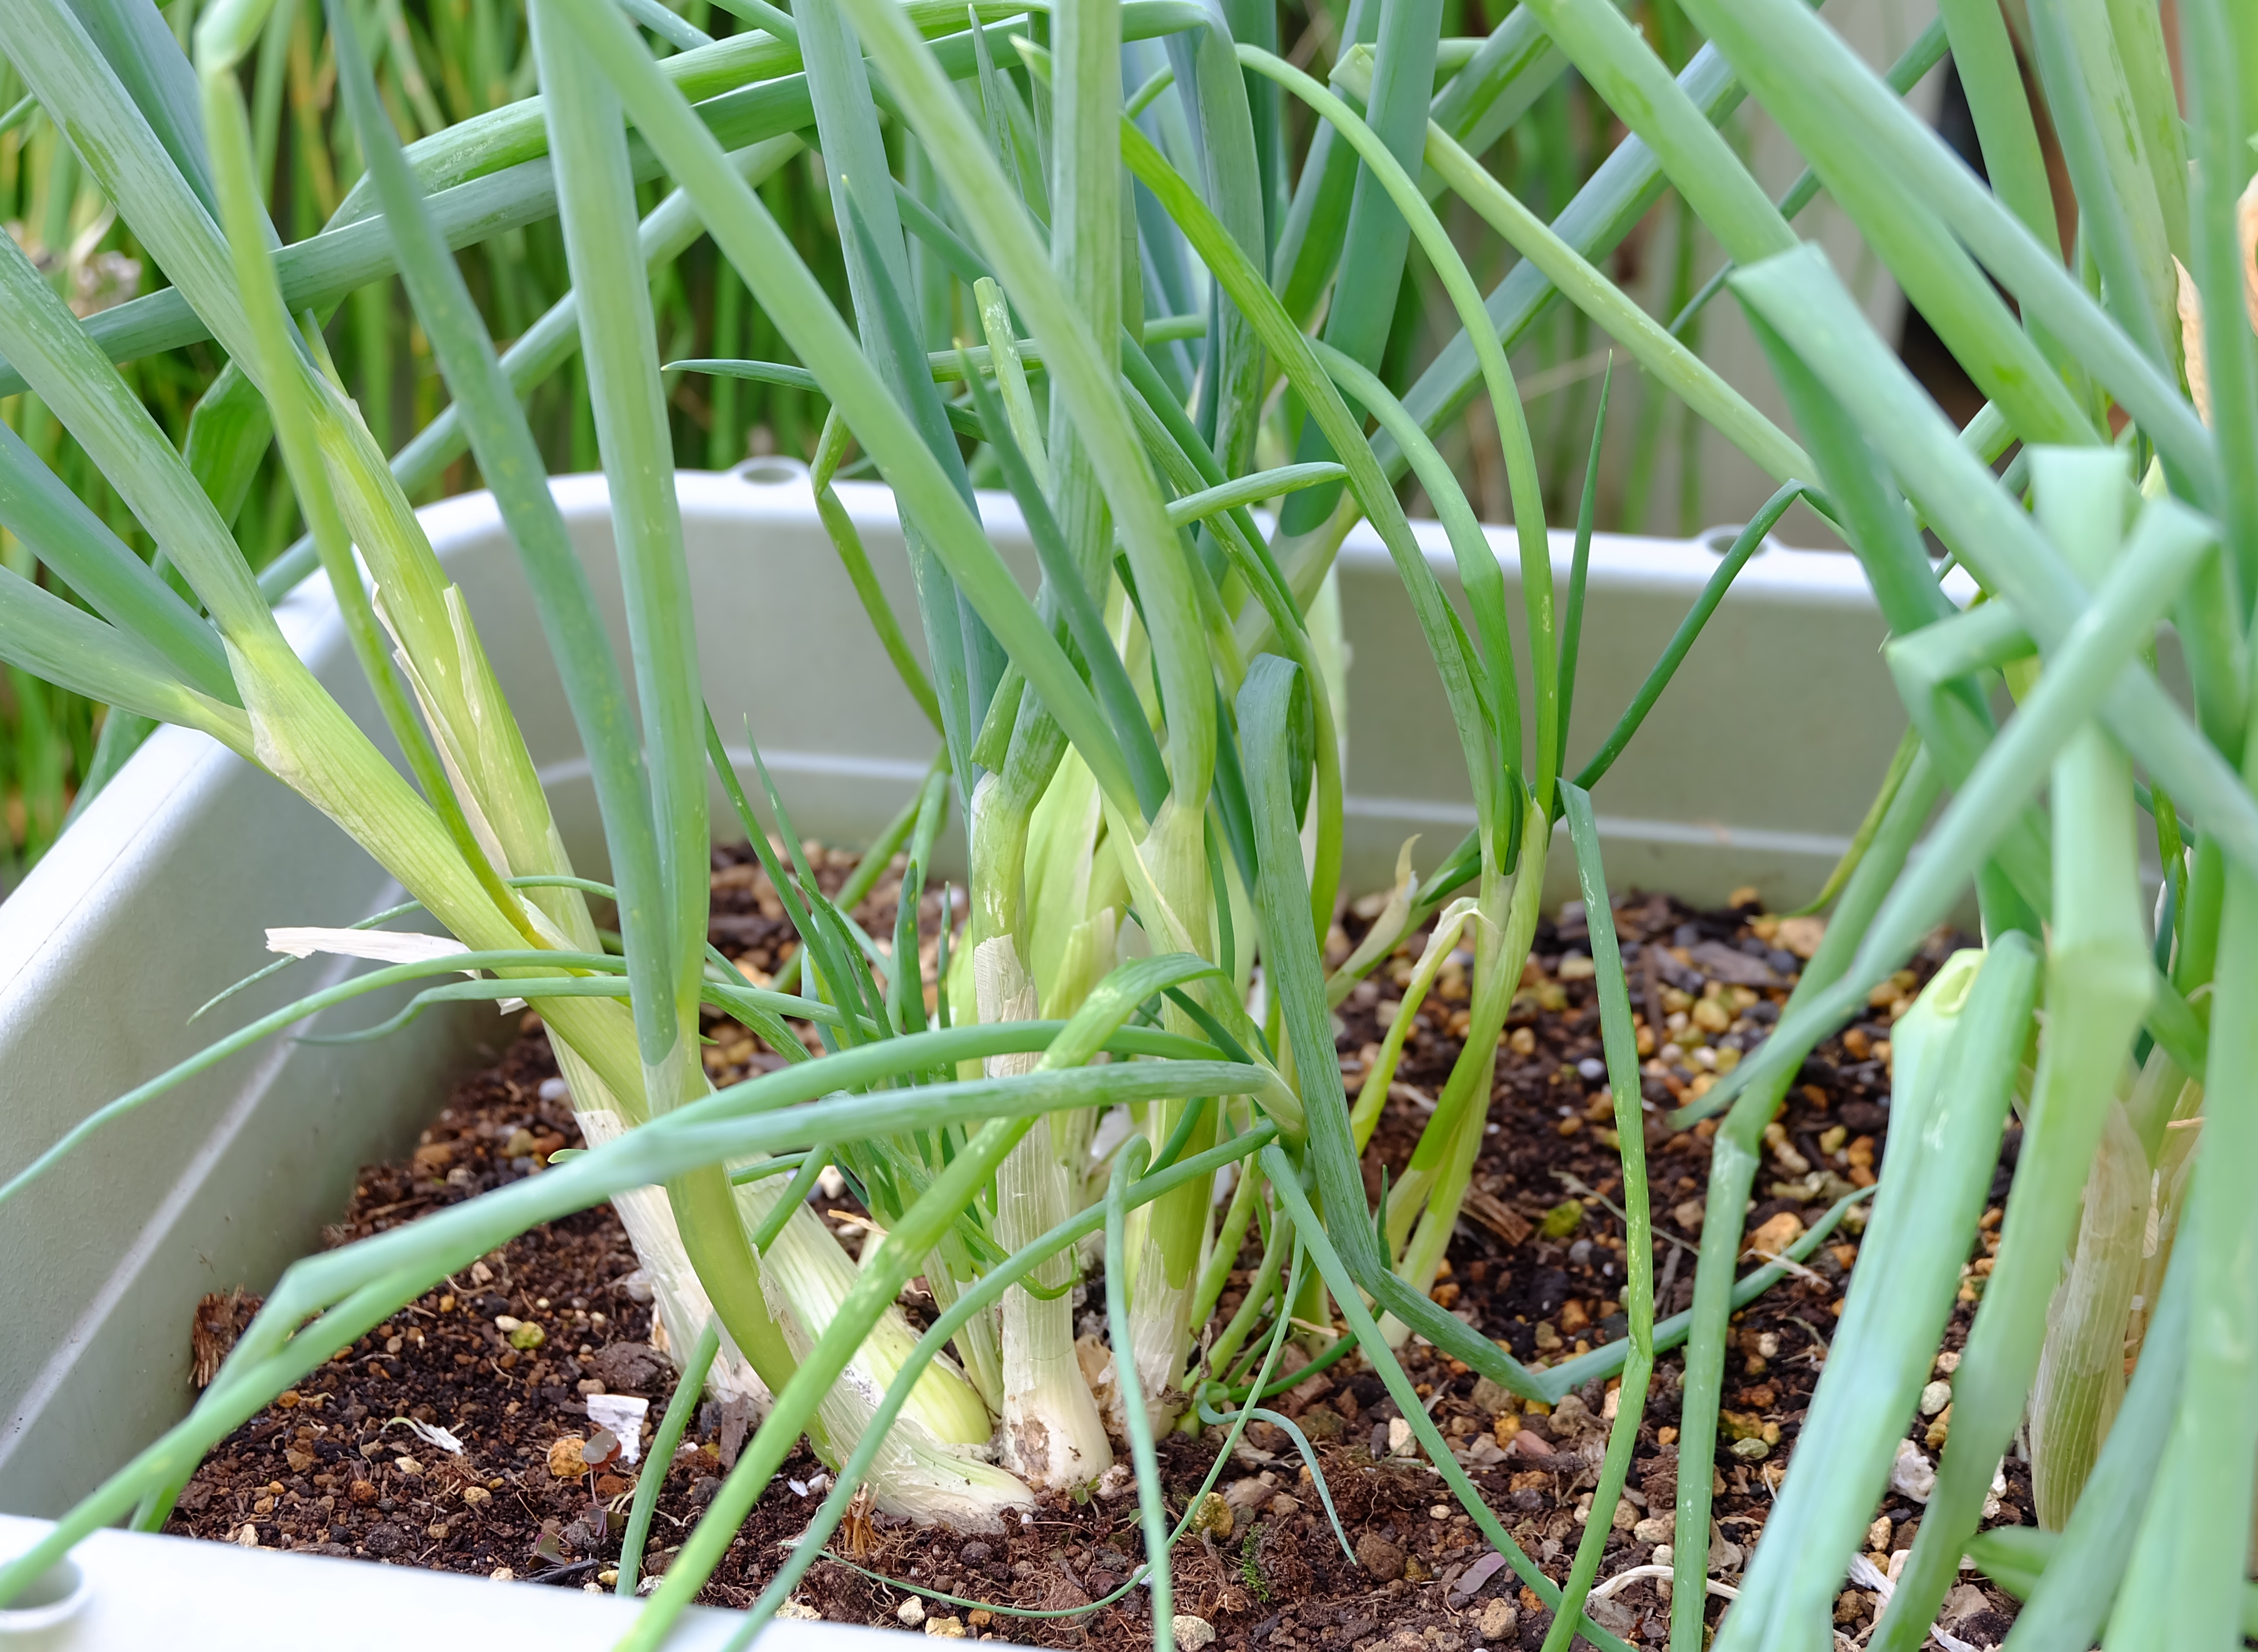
(771, 470)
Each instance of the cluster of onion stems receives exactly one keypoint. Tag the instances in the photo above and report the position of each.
(1146, 753)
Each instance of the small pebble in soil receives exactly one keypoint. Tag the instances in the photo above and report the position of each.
(1912, 1475)
(1379, 1557)
(565, 1459)
(1500, 1618)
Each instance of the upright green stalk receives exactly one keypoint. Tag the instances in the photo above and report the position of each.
(2097, 991)
(1085, 190)
(1960, 1049)
(619, 349)
(1442, 1162)
(1171, 855)
(1233, 120)
(964, 651)
(1051, 1433)
(1735, 1153)
(595, 1044)
(1622, 1045)
(741, 226)
(1377, 239)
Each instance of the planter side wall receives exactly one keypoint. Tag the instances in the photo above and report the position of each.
(155, 900)
(1700, 803)
(157, 897)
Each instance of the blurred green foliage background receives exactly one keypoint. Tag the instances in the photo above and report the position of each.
(441, 61)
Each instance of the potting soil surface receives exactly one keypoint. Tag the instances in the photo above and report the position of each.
(504, 1356)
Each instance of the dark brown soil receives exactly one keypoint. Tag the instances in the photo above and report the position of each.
(330, 1468)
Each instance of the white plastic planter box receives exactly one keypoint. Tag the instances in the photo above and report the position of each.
(1753, 769)
(121, 1592)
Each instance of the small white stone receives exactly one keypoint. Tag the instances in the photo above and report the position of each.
(911, 1611)
(1193, 1633)
(1399, 1436)
(1934, 1398)
(1877, 1535)
(1913, 1475)
(1655, 1528)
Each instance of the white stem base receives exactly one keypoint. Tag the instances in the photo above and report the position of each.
(1051, 1434)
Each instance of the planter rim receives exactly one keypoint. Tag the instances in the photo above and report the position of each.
(174, 764)
(137, 1588)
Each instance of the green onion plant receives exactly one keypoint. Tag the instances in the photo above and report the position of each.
(1131, 264)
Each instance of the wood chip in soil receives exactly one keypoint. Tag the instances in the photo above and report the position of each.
(336, 1465)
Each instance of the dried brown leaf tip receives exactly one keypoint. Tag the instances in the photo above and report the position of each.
(220, 1318)
(858, 1535)
(2189, 301)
